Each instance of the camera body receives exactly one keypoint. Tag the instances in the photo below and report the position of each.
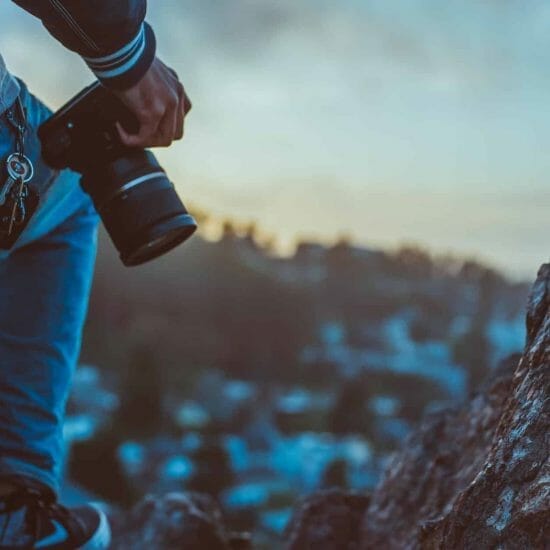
(138, 204)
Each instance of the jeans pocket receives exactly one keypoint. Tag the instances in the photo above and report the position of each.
(48, 186)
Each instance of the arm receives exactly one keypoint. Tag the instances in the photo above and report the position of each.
(111, 36)
(119, 47)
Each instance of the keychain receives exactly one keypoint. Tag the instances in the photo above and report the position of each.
(18, 167)
(17, 201)
(20, 171)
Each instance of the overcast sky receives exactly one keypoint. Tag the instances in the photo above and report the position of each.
(389, 120)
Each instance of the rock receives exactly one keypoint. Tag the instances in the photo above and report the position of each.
(329, 520)
(507, 504)
(437, 462)
(176, 521)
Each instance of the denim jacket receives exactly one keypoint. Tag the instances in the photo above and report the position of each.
(110, 36)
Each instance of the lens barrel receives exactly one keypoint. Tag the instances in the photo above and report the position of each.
(139, 206)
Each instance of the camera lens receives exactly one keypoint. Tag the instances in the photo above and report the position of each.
(173, 232)
(139, 206)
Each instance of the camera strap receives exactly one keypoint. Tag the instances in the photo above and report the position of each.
(16, 203)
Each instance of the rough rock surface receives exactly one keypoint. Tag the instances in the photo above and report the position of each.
(437, 462)
(177, 520)
(327, 519)
(507, 505)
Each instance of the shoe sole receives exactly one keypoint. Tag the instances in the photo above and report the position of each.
(102, 537)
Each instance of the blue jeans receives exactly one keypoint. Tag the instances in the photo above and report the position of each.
(45, 284)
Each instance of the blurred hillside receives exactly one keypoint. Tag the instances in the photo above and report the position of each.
(227, 369)
(233, 305)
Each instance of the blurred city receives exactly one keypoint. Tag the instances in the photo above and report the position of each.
(226, 369)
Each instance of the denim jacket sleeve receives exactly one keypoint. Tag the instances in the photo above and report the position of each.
(110, 35)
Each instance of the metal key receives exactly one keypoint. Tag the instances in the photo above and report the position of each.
(18, 209)
(19, 167)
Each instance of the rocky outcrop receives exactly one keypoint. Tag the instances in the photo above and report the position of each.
(473, 477)
(438, 462)
(177, 520)
(507, 504)
(327, 519)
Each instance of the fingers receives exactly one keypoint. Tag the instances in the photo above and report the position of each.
(180, 117)
(147, 135)
(181, 112)
(157, 125)
(187, 104)
(184, 105)
(168, 127)
(160, 105)
(160, 133)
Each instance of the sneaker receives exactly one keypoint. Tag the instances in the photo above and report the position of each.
(30, 518)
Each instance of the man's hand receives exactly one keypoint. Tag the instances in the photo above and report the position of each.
(160, 104)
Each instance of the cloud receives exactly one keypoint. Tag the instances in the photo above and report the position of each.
(468, 42)
(396, 99)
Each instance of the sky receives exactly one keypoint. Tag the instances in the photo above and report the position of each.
(390, 121)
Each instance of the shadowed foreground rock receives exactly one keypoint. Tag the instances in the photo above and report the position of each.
(177, 520)
(437, 462)
(473, 477)
(327, 519)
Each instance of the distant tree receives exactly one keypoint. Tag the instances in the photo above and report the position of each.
(346, 292)
(214, 472)
(351, 413)
(141, 411)
(251, 232)
(229, 231)
(200, 215)
(472, 350)
(344, 240)
(414, 261)
(94, 465)
(335, 475)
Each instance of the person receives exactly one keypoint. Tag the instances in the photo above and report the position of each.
(45, 277)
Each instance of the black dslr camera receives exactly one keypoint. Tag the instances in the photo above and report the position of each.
(138, 204)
